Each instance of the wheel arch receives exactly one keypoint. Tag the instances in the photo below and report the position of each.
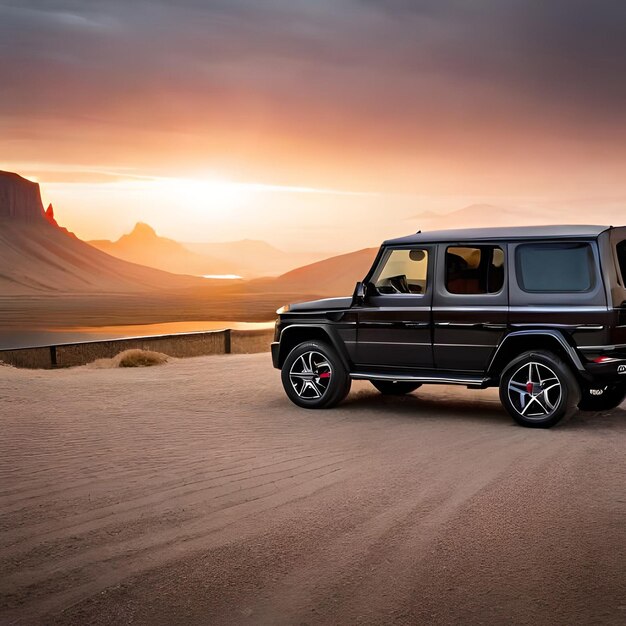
(521, 341)
(295, 334)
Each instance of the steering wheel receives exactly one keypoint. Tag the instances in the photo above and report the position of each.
(399, 283)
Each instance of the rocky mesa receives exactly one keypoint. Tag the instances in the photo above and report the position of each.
(20, 200)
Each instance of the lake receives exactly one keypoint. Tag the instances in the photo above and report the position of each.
(10, 339)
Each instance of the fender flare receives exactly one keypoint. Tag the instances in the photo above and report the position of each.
(327, 329)
(573, 356)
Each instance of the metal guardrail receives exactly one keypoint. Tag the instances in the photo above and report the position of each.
(180, 345)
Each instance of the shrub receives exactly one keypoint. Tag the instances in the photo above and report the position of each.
(140, 358)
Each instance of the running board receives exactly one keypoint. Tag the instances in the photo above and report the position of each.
(448, 379)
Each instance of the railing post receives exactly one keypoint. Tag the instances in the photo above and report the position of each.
(227, 343)
(53, 356)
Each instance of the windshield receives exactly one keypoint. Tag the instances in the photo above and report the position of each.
(402, 271)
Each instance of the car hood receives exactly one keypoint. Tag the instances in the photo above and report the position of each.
(326, 304)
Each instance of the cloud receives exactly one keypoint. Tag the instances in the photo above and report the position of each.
(397, 87)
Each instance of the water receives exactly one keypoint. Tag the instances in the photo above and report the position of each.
(222, 276)
(54, 336)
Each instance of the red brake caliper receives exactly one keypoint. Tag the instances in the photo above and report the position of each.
(325, 375)
(529, 387)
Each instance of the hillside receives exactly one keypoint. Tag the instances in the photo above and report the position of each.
(254, 258)
(38, 257)
(335, 276)
(143, 246)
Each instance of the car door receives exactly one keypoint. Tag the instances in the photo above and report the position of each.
(394, 326)
(470, 304)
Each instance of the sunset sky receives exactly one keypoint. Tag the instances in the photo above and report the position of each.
(325, 124)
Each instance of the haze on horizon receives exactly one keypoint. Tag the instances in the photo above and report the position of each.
(327, 125)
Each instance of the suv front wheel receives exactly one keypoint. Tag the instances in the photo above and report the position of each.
(539, 390)
(314, 377)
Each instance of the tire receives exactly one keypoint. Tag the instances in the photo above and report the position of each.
(395, 387)
(314, 377)
(539, 390)
(602, 398)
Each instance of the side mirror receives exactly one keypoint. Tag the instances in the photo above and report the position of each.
(360, 293)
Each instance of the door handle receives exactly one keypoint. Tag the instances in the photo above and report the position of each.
(416, 324)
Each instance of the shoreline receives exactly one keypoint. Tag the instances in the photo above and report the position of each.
(42, 337)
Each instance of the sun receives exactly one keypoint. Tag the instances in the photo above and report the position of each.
(198, 194)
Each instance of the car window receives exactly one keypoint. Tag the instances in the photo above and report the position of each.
(621, 259)
(555, 267)
(474, 269)
(402, 271)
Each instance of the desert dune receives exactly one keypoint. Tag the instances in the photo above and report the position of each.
(41, 259)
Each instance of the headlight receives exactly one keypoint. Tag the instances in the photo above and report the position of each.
(283, 309)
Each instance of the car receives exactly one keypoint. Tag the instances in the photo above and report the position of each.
(539, 312)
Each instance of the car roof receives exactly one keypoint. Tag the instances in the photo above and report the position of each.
(508, 233)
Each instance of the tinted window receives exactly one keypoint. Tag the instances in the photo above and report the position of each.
(473, 270)
(621, 258)
(555, 267)
(402, 271)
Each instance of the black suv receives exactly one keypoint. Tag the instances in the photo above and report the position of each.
(539, 312)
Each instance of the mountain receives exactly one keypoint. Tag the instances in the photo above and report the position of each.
(142, 245)
(335, 276)
(38, 257)
(581, 211)
(484, 215)
(248, 258)
(254, 258)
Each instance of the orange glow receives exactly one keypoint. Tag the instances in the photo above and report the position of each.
(311, 126)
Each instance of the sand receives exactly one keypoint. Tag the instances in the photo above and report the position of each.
(196, 493)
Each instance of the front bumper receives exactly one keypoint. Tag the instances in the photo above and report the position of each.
(275, 347)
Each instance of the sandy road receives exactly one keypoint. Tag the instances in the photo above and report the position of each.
(196, 493)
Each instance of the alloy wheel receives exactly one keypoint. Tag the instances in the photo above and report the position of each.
(534, 390)
(310, 375)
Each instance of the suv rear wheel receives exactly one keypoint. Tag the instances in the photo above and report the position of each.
(395, 387)
(602, 398)
(539, 390)
(314, 377)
